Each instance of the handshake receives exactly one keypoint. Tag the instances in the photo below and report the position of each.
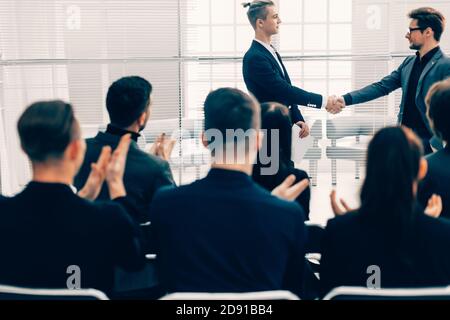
(335, 104)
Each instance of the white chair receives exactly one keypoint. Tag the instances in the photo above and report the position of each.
(361, 293)
(262, 295)
(359, 129)
(17, 293)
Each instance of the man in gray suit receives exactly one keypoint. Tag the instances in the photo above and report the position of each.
(415, 75)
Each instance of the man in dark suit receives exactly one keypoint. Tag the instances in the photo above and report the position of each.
(128, 102)
(224, 233)
(437, 180)
(264, 73)
(49, 236)
(415, 75)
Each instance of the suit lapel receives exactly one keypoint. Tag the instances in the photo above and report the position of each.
(427, 69)
(286, 75)
(266, 52)
(408, 70)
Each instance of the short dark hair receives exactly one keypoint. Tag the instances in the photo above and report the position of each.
(127, 99)
(438, 108)
(429, 18)
(275, 116)
(230, 108)
(257, 10)
(46, 129)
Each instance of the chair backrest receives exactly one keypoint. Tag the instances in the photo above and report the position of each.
(361, 293)
(262, 295)
(16, 293)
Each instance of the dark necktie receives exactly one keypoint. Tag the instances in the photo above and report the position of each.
(281, 62)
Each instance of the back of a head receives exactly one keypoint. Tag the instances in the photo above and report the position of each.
(231, 109)
(257, 9)
(127, 99)
(429, 18)
(46, 129)
(438, 105)
(275, 117)
(393, 161)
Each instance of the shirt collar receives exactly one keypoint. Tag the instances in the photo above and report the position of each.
(426, 58)
(111, 129)
(265, 45)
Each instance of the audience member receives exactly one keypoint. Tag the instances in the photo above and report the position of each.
(224, 233)
(129, 103)
(437, 180)
(49, 236)
(388, 241)
(276, 124)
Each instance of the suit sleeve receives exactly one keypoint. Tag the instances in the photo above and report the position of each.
(262, 73)
(296, 269)
(126, 239)
(378, 89)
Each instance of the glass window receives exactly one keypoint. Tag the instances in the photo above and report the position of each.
(291, 11)
(315, 37)
(341, 10)
(340, 37)
(290, 38)
(316, 10)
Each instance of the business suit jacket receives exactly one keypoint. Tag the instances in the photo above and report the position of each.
(47, 228)
(144, 173)
(437, 69)
(350, 245)
(224, 233)
(265, 80)
(437, 180)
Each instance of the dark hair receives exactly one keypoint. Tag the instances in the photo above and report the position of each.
(257, 10)
(387, 198)
(229, 108)
(438, 109)
(429, 18)
(46, 129)
(275, 116)
(127, 99)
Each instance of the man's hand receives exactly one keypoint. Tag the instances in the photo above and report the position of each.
(337, 210)
(116, 168)
(163, 147)
(434, 208)
(288, 191)
(304, 129)
(335, 104)
(94, 182)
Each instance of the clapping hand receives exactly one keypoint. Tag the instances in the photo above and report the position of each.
(289, 191)
(163, 147)
(337, 210)
(94, 182)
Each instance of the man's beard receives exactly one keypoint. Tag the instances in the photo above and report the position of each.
(413, 46)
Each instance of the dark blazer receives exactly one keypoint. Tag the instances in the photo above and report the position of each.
(265, 80)
(437, 180)
(47, 228)
(350, 246)
(144, 173)
(271, 182)
(437, 69)
(224, 233)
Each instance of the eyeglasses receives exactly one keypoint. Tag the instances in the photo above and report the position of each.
(411, 30)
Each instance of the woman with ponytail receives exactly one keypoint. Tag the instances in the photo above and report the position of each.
(388, 241)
